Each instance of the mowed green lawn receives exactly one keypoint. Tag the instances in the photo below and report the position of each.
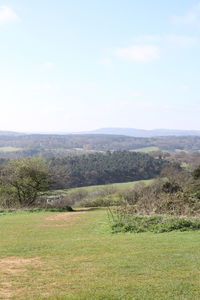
(75, 256)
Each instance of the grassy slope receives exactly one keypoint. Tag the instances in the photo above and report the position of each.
(120, 186)
(83, 260)
(9, 149)
(146, 149)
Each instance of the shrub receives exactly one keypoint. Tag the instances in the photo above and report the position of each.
(74, 197)
(161, 197)
(102, 197)
(110, 200)
(153, 223)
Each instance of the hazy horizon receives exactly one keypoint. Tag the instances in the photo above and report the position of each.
(104, 129)
(76, 66)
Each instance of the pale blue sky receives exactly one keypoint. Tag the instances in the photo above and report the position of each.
(72, 65)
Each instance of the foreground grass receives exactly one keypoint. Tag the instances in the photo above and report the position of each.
(75, 256)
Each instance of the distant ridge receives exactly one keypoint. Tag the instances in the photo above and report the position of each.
(131, 132)
(144, 133)
(10, 133)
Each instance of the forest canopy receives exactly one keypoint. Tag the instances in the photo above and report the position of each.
(103, 168)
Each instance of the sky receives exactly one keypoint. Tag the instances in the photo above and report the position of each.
(78, 65)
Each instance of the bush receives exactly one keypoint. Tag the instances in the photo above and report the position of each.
(153, 223)
(110, 200)
(7, 199)
(161, 197)
(102, 197)
(74, 197)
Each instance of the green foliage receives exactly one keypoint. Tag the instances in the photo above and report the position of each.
(196, 173)
(35, 210)
(93, 196)
(24, 179)
(171, 187)
(175, 194)
(104, 201)
(98, 168)
(153, 223)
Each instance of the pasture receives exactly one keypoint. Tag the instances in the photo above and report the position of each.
(146, 149)
(10, 149)
(119, 186)
(45, 255)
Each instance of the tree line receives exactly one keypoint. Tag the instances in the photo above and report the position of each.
(23, 180)
(48, 145)
(104, 168)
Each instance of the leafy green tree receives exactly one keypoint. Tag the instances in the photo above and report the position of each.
(196, 173)
(25, 179)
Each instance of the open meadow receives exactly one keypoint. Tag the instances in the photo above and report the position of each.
(9, 149)
(119, 186)
(146, 149)
(51, 255)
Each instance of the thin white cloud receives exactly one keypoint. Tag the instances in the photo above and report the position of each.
(105, 62)
(137, 105)
(184, 87)
(7, 15)
(171, 39)
(147, 48)
(39, 87)
(182, 40)
(152, 38)
(192, 17)
(139, 53)
(48, 65)
(136, 94)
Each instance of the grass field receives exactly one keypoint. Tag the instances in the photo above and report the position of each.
(75, 256)
(146, 149)
(9, 149)
(120, 186)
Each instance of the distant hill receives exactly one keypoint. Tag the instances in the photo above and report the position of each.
(145, 133)
(49, 145)
(15, 145)
(132, 132)
(10, 133)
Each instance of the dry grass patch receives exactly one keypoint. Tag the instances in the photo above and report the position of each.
(63, 216)
(16, 265)
(63, 219)
(12, 268)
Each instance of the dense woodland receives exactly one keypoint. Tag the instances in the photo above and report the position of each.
(21, 181)
(99, 168)
(62, 145)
